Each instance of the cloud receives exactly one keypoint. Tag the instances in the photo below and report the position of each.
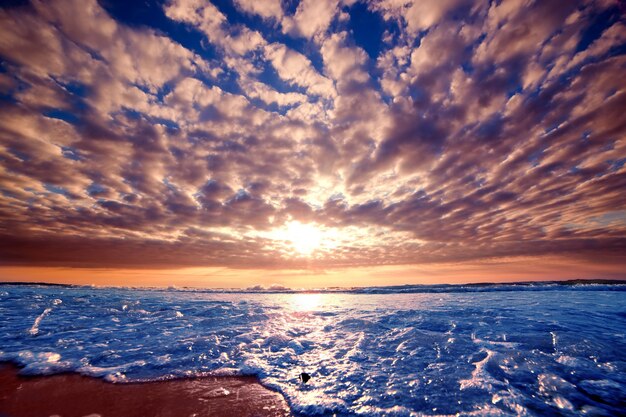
(419, 15)
(213, 23)
(312, 17)
(266, 9)
(296, 68)
(480, 131)
(268, 95)
(422, 15)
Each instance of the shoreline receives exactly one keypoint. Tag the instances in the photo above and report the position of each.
(71, 394)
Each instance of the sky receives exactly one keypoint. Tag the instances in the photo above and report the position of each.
(312, 143)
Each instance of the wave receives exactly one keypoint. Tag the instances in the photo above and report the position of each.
(570, 285)
(532, 351)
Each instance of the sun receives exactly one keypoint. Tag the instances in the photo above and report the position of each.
(299, 239)
(305, 238)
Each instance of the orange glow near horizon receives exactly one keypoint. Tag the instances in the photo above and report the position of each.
(504, 270)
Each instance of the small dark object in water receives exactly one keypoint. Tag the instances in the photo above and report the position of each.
(304, 377)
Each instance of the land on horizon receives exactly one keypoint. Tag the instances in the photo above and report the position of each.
(400, 286)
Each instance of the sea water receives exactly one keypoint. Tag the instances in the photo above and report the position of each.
(400, 351)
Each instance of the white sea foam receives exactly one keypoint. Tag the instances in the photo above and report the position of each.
(528, 352)
(35, 327)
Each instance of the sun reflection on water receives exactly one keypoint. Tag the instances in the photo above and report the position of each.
(306, 302)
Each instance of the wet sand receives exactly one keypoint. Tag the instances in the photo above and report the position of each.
(73, 395)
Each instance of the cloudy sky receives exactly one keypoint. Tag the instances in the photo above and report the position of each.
(313, 142)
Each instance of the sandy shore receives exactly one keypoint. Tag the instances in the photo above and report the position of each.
(73, 395)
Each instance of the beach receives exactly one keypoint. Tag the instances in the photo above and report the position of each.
(74, 395)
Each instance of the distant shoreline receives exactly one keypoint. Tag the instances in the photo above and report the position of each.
(405, 288)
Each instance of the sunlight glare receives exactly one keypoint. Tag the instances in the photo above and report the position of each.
(304, 238)
(306, 302)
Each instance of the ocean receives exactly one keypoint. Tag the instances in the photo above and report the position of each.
(486, 350)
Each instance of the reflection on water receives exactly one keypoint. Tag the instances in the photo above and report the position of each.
(306, 302)
(505, 353)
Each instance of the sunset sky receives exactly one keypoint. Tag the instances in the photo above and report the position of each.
(312, 143)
